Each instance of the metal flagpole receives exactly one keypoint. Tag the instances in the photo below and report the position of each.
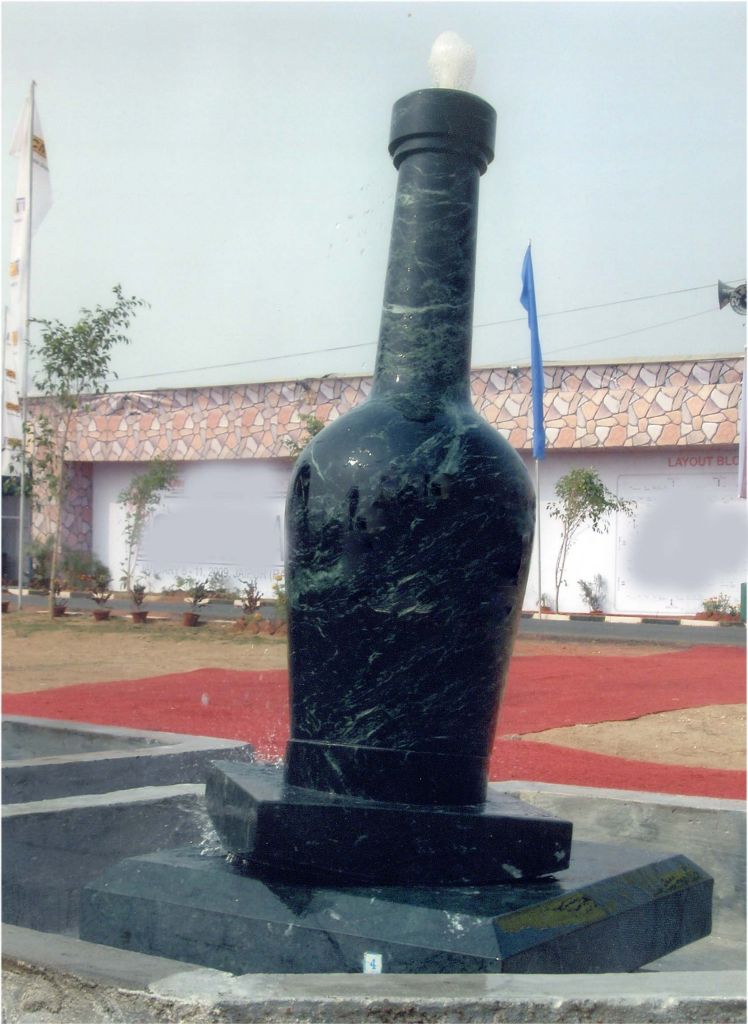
(24, 377)
(6, 518)
(537, 534)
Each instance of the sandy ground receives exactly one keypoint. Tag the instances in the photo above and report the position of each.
(712, 737)
(38, 654)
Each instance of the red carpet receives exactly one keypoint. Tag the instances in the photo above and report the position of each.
(542, 693)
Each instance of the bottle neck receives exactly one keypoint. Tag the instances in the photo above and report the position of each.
(441, 141)
(423, 359)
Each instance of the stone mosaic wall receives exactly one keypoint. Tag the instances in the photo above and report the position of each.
(616, 406)
(77, 512)
(620, 406)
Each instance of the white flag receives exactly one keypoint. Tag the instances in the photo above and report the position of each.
(41, 189)
(34, 193)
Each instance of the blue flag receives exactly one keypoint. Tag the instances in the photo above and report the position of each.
(527, 298)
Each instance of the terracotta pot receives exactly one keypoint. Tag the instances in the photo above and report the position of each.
(139, 616)
(281, 629)
(101, 614)
(6, 607)
(190, 618)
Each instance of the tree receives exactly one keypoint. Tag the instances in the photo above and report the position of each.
(74, 362)
(140, 499)
(312, 427)
(583, 499)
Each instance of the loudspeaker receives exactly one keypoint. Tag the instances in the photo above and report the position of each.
(734, 297)
(724, 291)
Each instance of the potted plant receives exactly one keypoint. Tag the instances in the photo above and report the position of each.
(281, 604)
(59, 604)
(250, 597)
(593, 594)
(719, 608)
(100, 593)
(198, 595)
(137, 593)
(252, 624)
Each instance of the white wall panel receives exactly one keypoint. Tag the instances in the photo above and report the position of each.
(223, 515)
(686, 543)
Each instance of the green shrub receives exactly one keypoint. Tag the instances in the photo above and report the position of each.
(279, 589)
(80, 568)
(250, 596)
(40, 553)
(217, 583)
(593, 593)
(76, 570)
(720, 605)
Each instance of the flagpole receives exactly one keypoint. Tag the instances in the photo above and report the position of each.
(25, 320)
(537, 534)
(5, 340)
(537, 518)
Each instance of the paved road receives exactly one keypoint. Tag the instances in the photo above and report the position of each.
(214, 610)
(578, 630)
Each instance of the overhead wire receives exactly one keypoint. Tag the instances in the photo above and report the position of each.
(492, 323)
(599, 305)
(246, 362)
(625, 334)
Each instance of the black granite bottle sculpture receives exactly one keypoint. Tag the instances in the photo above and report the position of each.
(409, 525)
(410, 519)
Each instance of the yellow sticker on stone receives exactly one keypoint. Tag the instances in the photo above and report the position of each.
(679, 878)
(574, 909)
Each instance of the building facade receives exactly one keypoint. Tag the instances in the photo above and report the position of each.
(663, 435)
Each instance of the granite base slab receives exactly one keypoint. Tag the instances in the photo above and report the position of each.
(44, 759)
(615, 909)
(52, 848)
(303, 835)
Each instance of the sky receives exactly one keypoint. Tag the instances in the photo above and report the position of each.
(228, 163)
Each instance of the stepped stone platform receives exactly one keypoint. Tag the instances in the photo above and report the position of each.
(48, 969)
(615, 909)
